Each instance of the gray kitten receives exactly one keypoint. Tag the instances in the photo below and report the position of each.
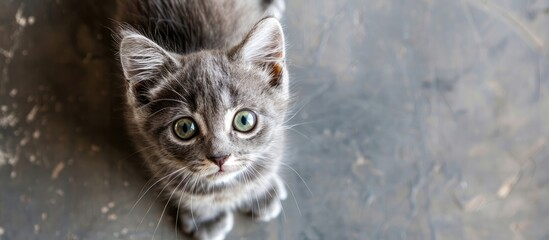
(207, 94)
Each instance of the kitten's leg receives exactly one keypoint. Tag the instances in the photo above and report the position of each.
(201, 226)
(267, 206)
(274, 8)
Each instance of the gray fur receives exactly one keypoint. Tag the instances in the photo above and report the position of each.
(207, 59)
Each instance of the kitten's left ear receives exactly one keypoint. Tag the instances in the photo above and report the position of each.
(264, 47)
(143, 59)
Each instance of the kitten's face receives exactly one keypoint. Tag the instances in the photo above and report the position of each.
(208, 97)
(213, 113)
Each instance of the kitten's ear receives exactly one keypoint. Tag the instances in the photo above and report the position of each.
(264, 47)
(142, 59)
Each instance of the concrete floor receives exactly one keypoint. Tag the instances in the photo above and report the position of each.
(423, 119)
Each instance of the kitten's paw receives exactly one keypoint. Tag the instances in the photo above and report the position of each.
(268, 206)
(280, 188)
(187, 225)
(216, 229)
(268, 212)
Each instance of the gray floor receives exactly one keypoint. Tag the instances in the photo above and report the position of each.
(424, 119)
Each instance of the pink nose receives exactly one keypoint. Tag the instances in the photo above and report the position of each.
(219, 160)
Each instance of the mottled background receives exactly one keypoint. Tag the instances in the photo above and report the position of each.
(415, 119)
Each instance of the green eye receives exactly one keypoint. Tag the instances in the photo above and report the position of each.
(185, 128)
(244, 121)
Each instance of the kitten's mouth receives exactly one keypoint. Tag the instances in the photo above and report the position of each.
(224, 171)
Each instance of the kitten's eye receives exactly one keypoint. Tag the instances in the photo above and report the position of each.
(185, 128)
(244, 121)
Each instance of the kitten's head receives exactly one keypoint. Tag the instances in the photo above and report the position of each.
(215, 114)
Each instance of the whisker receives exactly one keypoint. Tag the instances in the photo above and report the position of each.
(299, 124)
(287, 185)
(260, 178)
(289, 188)
(298, 132)
(295, 199)
(247, 181)
(299, 175)
(164, 210)
(159, 180)
(273, 187)
(296, 112)
(152, 204)
(141, 192)
(255, 193)
(140, 151)
(179, 205)
(191, 210)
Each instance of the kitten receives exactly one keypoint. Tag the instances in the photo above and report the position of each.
(207, 95)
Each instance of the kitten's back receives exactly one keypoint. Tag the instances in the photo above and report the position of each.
(185, 26)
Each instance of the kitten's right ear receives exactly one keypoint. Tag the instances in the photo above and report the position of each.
(264, 47)
(142, 59)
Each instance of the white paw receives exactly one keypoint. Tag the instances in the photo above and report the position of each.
(280, 188)
(217, 230)
(229, 223)
(187, 225)
(270, 212)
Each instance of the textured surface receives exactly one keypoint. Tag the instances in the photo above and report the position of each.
(414, 120)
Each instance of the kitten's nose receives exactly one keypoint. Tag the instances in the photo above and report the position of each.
(219, 160)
